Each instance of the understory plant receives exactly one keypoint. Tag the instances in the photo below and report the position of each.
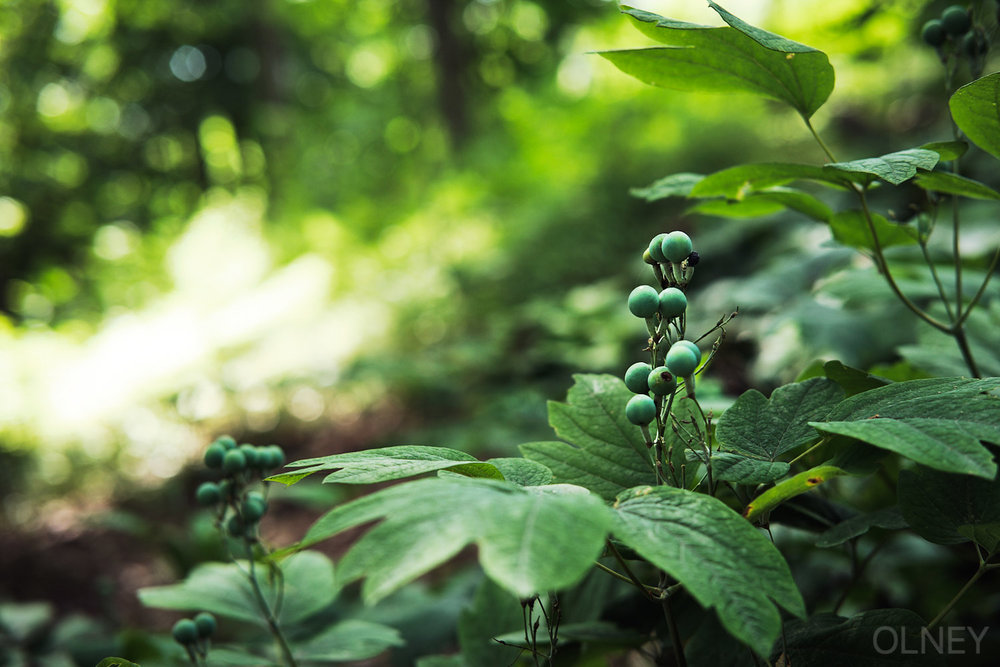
(653, 526)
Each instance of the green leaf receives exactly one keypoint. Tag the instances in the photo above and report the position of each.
(233, 657)
(894, 168)
(738, 58)
(380, 465)
(766, 202)
(858, 525)
(116, 662)
(714, 553)
(953, 184)
(976, 110)
(530, 540)
(767, 428)
(348, 640)
(523, 472)
(742, 180)
(223, 589)
(950, 509)
(936, 422)
(875, 638)
(494, 611)
(607, 452)
(948, 150)
(851, 229)
(852, 380)
(675, 185)
(789, 488)
(739, 469)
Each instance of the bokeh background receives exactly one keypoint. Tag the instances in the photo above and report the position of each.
(336, 225)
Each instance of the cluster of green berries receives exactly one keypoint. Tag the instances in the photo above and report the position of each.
(956, 30)
(195, 632)
(239, 509)
(673, 259)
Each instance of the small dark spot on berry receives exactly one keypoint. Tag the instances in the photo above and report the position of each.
(693, 259)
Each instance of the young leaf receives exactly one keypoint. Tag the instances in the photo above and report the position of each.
(850, 228)
(789, 488)
(709, 549)
(607, 453)
(739, 58)
(530, 540)
(674, 185)
(384, 464)
(953, 184)
(948, 150)
(974, 108)
(936, 422)
(765, 429)
(950, 509)
(742, 180)
(858, 525)
(894, 168)
(766, 202)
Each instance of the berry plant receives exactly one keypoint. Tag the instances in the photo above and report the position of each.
(651, 526)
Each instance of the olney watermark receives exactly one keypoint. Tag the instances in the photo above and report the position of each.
(950, 640)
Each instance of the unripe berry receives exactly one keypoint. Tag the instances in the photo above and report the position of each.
(235, 526)
(253, 507)
(185, 632)
(647, 258)
(956, 20)
(681, 360)
(691, 346)
(643, 301)
(662, 381)
(676, 246)
(673, 303)
(234, 461)
(933, 33)
(208, 494)
(214, 454)
(206, 624)
(656, 247)
(640, 410)
(250, 454)
(275, 457)
(636, 377)
(226, 441)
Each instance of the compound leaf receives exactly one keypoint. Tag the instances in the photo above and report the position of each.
(976, 110)
(713, 552)
(384, 464)
(950, 509)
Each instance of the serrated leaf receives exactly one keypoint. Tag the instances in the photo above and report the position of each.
(606, 453)
(740, 469)
(888, 518)
(949, 509)
(738, 58)
(850, 228)
(765, 428)
(975, 109)
(223, 589)
(953, 184)
(948, 150)
(742, 180)
(348, 640)
(530, 540)
(713, 552)
(789, 488)
(674, 185)
(936, 422)
(894, 168)
(383, 464)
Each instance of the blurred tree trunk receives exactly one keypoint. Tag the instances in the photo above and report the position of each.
(450, 61)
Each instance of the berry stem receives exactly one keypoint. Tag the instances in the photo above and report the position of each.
(265, 610)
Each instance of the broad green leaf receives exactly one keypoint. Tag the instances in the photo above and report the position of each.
(224, 589)
(953, 184)
(976, 110)
(852, 380)
(948, 150)
(523, 472)
(738, 58)
(875, 638)
(530, 539)
(894, 168)
(858, 525)
(380, 465)
(116, 662)
(742, 180)
(766, 202)
(948, 509)
(936, 422)
(348, 640)
(789, 488)
(606, 453)
(739, 469)
(228, 656)
(674, 185)
(765, 428)
(851, 229)
(493, 612)
(714, 553)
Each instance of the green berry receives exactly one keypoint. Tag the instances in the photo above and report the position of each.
(681, 361)
(206, 624)
(676, 246)
(673, 303)
(226, 489)
(643, 301)
(275, 457)
(656, 248)
(647, 258)
(234, 461)
(235, 526)
(214, 454)
(250, 453)
(662, 381)
(640, 410)
(185, 632)
(636, 376)
(691, 346)
(208, 494)
(975, 44)
(253, 507)
(933, 33)
(226, 441)
(956, 20)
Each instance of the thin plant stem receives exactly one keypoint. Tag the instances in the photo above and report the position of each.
(982, 288)
(265, 609)
(958, 596)
(634, 579)
(675, 635)
(937, 281)
(819, 140)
